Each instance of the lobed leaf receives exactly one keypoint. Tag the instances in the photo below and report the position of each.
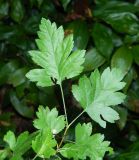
(97, 93)
(3, 154)
(20, 145)
(44, 144)
(49, 119)
(86, 145)
(10, 139)
(54, 56)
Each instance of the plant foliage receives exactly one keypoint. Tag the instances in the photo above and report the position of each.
(54, 56)
(58, 63)
(93, 83)
(44, 143)
(86, 145)
(49, 119)
(99, 92)
(18, 146)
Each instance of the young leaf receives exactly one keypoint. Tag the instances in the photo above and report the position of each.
(23, 143)
(44, 144)
(49, 119)
(19, 146)
(97, 93)
(10, 139)
(86, 145)
(54, 56)
(3, 154)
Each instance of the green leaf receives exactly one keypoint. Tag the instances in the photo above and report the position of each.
(20, 145)
(122, 59)
(10, 139)
(125, 22)
(16, 157)
(23, 143)
(44, 144)
(109, 7)
(132, 99)
(18, 77)
(8, 69)
(117, 41)
(130, 76)
(131, 153)
(129, 39)
(97, 93)
(86, 145)
(49, 119)
(135, 53)
(55, 56)
(93, 60)
(81, 34)
(17, 10)
(40, 76)
(103, 39)
(3, 154)
(123, 117)
(20, 106)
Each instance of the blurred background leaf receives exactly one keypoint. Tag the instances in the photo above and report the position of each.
(103, 39)
(122, 59)
(80, 32)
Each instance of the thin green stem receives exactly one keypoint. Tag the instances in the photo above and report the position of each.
(65, 132)
(35, 157)
(63, 99)
(76, 118)
(68, 125)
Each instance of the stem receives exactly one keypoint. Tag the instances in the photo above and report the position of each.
(68, 126)
(65, 132)
(35, 157)
(63, 99)
(76, 118)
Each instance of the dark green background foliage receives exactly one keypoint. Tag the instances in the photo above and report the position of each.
(107, 29)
